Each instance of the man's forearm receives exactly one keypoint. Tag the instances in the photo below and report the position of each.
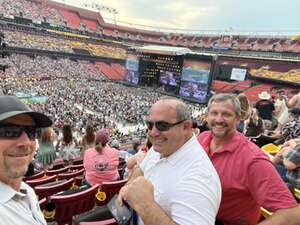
(153, 214)
(284, 217)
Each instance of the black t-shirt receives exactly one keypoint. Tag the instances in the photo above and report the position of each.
(265, 109)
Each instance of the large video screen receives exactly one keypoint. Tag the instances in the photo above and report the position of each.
(169, 78)
(195, 79)
(197, 91)
(132, 70)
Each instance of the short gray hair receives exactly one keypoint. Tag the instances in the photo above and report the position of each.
(223, 97)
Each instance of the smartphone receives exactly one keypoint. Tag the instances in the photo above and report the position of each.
(122, 214)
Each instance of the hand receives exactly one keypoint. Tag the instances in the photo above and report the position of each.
(137, 193)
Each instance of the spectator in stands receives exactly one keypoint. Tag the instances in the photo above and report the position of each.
(245, 111)
(88, 140)
(203, 122)
(248, 178)
(254, 126)
(278, 159)
(291, 162)
(284, 217)
(137, 159)
(18, 131)
(122, 154)
(294, 102)
(101, 162)
(46, 152)
(135, 146)
(172, 185)
(265, 109)
(195, 128)
(292, 128)
(281, 112)
(66, 145)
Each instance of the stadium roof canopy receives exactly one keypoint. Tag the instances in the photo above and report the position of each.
(163, 50)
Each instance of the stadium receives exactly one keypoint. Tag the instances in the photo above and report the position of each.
(84, 72)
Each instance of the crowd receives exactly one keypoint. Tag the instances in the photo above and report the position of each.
(31, 10)
(23, 39)
(77, 93)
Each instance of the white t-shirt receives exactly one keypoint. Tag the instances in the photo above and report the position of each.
(19, 207)
(186, 185)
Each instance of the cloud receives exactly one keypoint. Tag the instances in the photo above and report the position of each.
(206, 14)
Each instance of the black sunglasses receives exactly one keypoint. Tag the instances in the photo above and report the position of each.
(162, 125)
(8, 130)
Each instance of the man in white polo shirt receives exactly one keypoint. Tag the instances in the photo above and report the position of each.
(176, 182)
(18, 131)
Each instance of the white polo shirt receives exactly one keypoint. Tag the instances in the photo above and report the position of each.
(186, 185)
(19, 208)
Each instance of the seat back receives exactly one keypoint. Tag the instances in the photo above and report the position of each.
(35, 176)
(69, 205)
(70, 175)
(56, 172)
(108, 190)
(36, 182)
(78, 161)
(44, 191)
(58, 164)
(42, 203)
(270, 148)
(76, 167)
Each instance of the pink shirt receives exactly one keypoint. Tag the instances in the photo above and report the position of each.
(249, 180)
(101, 167)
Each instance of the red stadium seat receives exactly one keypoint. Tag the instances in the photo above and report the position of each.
(68, 206)
(42, 203)
(36, 182)
(78, 161)
(70, 175)
(44, 191)
(76, 167)
(35, 176)
(108, 190)
(58, 171)
(58, 164)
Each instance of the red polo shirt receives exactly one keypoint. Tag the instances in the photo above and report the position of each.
(249, 180)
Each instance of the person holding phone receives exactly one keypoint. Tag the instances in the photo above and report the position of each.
(176, 182)
(18, 132)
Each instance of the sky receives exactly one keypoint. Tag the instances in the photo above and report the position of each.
(221, 15)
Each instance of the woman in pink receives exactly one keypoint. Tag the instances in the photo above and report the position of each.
(101, 163)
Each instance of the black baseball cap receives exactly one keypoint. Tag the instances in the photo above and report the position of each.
(11, 106)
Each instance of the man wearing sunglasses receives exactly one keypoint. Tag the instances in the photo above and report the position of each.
(249, 179)
(18, 131)
(175, 183)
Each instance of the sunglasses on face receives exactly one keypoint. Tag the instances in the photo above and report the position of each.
(14, 131)
(161, 125)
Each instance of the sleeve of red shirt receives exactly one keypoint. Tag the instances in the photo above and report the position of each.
(267, 187)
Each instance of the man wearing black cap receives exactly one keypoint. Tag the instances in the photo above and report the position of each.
(18, 131)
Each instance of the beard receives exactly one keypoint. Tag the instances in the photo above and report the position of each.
(17, 167)
(16, 172)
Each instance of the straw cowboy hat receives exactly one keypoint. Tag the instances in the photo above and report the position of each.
(264, 95)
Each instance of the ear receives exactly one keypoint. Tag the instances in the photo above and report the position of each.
(238, 119)
(187, 124)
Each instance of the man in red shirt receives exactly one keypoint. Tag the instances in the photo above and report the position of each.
(249, 180)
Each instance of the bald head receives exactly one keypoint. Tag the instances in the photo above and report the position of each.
(170, 125)
(173, 105)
